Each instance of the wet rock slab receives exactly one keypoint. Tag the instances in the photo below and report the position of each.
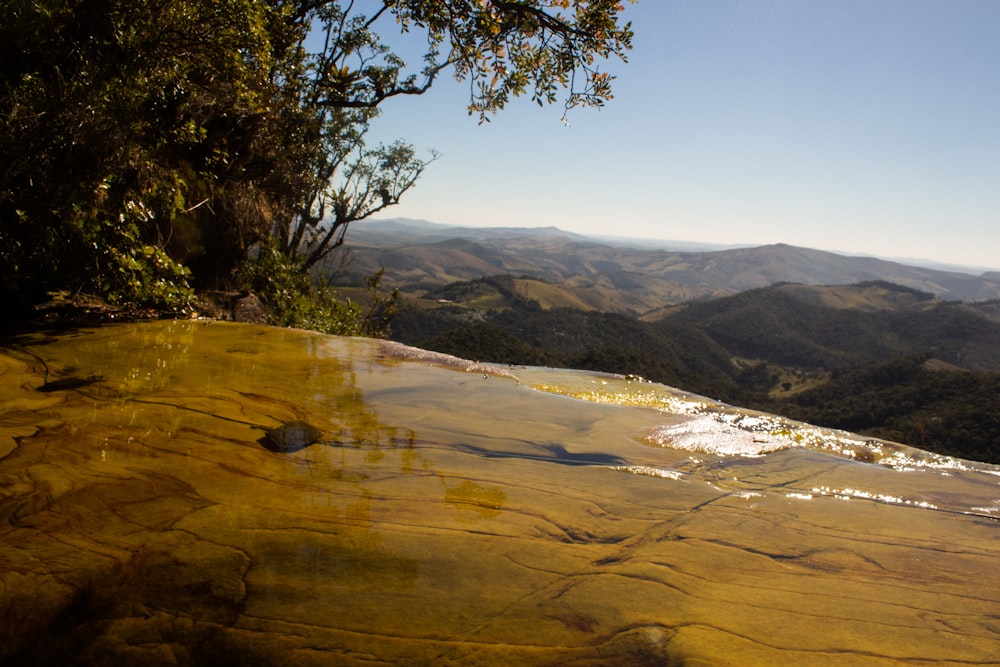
(423, 510)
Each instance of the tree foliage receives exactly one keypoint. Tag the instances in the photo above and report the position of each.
(148, 145)
(123, 125)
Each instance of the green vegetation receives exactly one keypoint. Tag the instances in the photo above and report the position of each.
(152, 149)
(916, 370)
(905, 399)
(299, 300)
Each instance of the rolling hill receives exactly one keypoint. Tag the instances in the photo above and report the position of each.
(870, 357)
(639, 281)
(897, 351)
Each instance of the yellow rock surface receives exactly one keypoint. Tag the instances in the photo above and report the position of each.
(453, 513)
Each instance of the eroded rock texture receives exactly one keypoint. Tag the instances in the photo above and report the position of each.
(435, 513)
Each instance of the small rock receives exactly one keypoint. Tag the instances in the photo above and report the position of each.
(291, 437)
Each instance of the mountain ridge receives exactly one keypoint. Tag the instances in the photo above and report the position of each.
(873, 358)
(417, 257)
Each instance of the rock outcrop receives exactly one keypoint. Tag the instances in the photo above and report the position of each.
(462, 517)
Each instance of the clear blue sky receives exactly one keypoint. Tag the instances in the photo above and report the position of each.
(865, 126)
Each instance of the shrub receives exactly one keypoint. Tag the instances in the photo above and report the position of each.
(294, 299)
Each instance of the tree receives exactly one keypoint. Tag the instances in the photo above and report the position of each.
(122, 125)
(144, 141)
(501, 48)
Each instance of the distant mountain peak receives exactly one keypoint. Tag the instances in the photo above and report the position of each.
(670, 276)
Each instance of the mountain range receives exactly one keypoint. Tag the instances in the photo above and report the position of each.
(635, 277)
(900, 352)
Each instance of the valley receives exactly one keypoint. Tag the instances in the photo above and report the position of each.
(899, 352)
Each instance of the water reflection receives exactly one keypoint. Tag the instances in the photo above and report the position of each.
(436, 511)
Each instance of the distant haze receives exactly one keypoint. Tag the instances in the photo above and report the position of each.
(852, 126)
(417, 254)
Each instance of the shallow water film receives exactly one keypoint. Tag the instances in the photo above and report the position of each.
(212, 493)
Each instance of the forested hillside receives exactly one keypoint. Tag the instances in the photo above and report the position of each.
(633, 277)
(874, 358)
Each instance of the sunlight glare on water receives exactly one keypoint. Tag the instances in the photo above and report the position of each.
(219, 492)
